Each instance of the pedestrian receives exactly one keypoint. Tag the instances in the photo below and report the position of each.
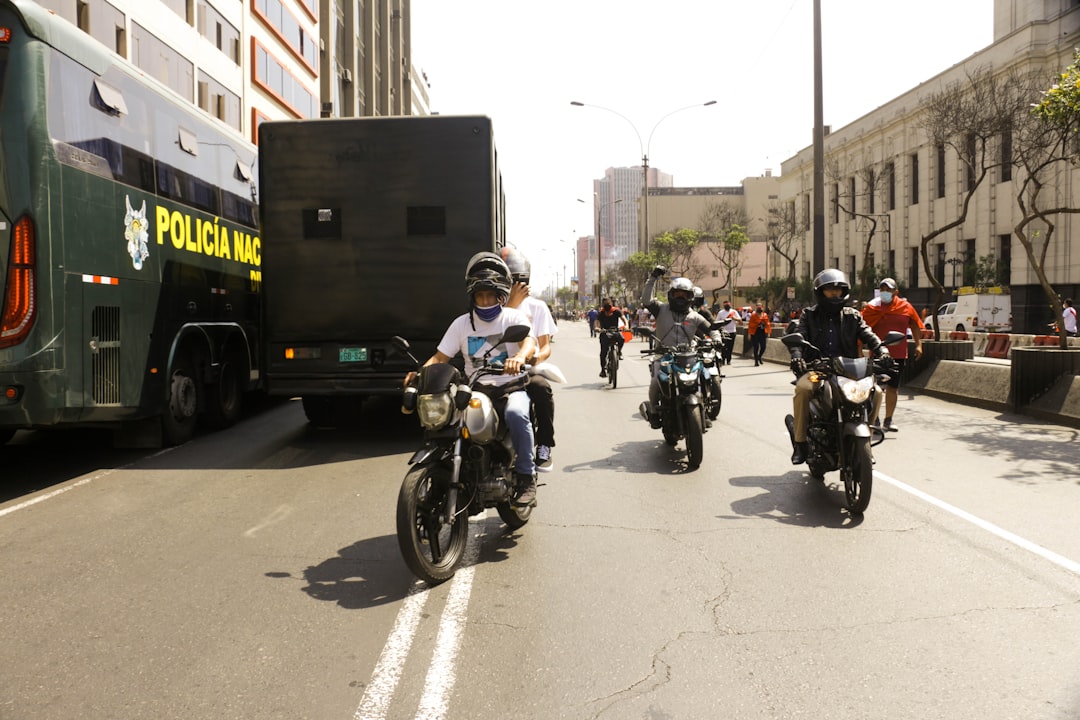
(591, 317)
(727, 320)
(1068, 316)
(759, 330)
(885, 313)
(644, 318)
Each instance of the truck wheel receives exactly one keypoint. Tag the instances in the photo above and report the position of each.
(178, 420)
(319, 410)
(225, 398)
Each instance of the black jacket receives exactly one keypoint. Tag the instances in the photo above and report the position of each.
(812, 325)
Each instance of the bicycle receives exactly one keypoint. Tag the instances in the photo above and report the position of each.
(611, 359)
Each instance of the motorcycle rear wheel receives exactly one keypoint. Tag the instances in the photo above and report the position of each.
(431, 548)
(515, 517)
(858, 474)
(694, 446)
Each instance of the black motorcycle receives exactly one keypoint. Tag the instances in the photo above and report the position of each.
(465, 466)
(682, 408)
(839, 435)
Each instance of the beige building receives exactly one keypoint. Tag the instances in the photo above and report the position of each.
(927, 183)
(684, 207)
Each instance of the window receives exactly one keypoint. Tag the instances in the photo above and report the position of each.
(941, 170)
(871, 181)
(274, 78)
(214, 27)
(890, 186)
(836, 203)
(969, 262)
(913, 267)
(1006, 155)
(161, 61)
(1005, 257)
(939, 261)
(915, 178)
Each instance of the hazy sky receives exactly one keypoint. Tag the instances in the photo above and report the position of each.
(521, 63)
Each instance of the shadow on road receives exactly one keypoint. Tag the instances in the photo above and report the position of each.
(794, 499)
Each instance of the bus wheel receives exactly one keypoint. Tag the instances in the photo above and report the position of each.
(225, 398)
(178, 420)
(6, 435)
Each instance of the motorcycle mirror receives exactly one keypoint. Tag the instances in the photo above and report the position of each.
(794, 340)
(646, 331)
(400, 344)
(892, 337)
(515, 334)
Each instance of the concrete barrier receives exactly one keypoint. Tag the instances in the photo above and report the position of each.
(1018, 341)
(980, 340)
(997, 345)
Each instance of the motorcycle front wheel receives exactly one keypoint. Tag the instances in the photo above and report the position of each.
(858, 474)
(432, 548)
(694, 430)
(715, 399)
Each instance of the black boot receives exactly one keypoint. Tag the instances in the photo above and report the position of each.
(526, 490)
(798, 457)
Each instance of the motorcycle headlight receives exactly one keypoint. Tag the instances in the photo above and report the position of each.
(435, 411)
(856, 391)
(687, 377)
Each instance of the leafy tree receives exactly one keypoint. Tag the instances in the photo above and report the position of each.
(861, 189)
(674, 250)
(723, 227)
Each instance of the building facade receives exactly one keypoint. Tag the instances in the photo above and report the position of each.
(903, 186)
(247, 61)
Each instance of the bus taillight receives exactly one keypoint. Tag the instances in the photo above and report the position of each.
(20, 302)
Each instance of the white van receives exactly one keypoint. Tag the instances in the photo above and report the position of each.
(976, 310)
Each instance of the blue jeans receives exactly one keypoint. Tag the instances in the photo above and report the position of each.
(519, 422)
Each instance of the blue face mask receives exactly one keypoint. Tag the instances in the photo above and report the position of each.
(487, 314)
(886, 296)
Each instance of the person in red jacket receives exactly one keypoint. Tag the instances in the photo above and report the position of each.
(885, 313)
(759, 330)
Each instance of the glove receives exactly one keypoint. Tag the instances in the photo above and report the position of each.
(885, 360)
(798, 366)
(658, 271)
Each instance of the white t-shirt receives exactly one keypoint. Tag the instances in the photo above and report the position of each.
(472, 344)
(728, 318)
(1069, 316)
(539, 317)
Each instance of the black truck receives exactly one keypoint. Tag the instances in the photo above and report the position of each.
(367, 224)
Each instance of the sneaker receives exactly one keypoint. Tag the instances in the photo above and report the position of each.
(543, 458)
(890, 426)
(620, 356)
(798, 457)
(603, 373)
(526, 490)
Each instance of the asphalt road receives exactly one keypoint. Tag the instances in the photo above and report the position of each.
(255, 573)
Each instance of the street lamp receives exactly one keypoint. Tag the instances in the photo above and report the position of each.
(599, 243)
(644, 149)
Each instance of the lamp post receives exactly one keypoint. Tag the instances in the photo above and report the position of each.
(644, 149)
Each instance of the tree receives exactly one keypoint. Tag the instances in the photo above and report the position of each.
(969, 118)
(724, 228)
(675, 250)
(871, 183)
(1045, 150)
(784, 230)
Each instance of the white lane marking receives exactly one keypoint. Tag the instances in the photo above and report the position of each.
(434, 703)
(384, 679)
(1059, 560)
(54, 493)
(282, 512)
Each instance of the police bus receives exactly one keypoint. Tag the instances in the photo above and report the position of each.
(129, 244)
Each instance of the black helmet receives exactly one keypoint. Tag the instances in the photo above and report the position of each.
(487, 271)
(520, 269)
(831, 277)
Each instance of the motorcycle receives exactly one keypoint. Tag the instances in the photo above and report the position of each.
(839, 435)
(711, 377)
(682, 409)
(465, 466)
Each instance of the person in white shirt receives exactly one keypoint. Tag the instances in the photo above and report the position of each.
(1068, 317)
(544, 328)
(487, 283)
(727, 320)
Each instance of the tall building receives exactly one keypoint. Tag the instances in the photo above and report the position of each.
(617, 197)
(920, 185)
(255, 60)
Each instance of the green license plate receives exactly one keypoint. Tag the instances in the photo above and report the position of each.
(352, 355)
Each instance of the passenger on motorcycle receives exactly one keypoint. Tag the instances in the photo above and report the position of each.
(676, 324)
(487, 284)
(698, 304)
(544, 329)
(836, 330)
(609, 319)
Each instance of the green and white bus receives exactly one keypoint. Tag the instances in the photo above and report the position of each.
(129, 245)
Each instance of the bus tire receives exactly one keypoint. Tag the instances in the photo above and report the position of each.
(180, 416)
(225, 398)
(6, 434)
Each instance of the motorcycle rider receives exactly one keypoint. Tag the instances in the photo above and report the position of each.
(609, 319)
(836, 330)
(488, 284)
(544, 328)
(676, 323)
